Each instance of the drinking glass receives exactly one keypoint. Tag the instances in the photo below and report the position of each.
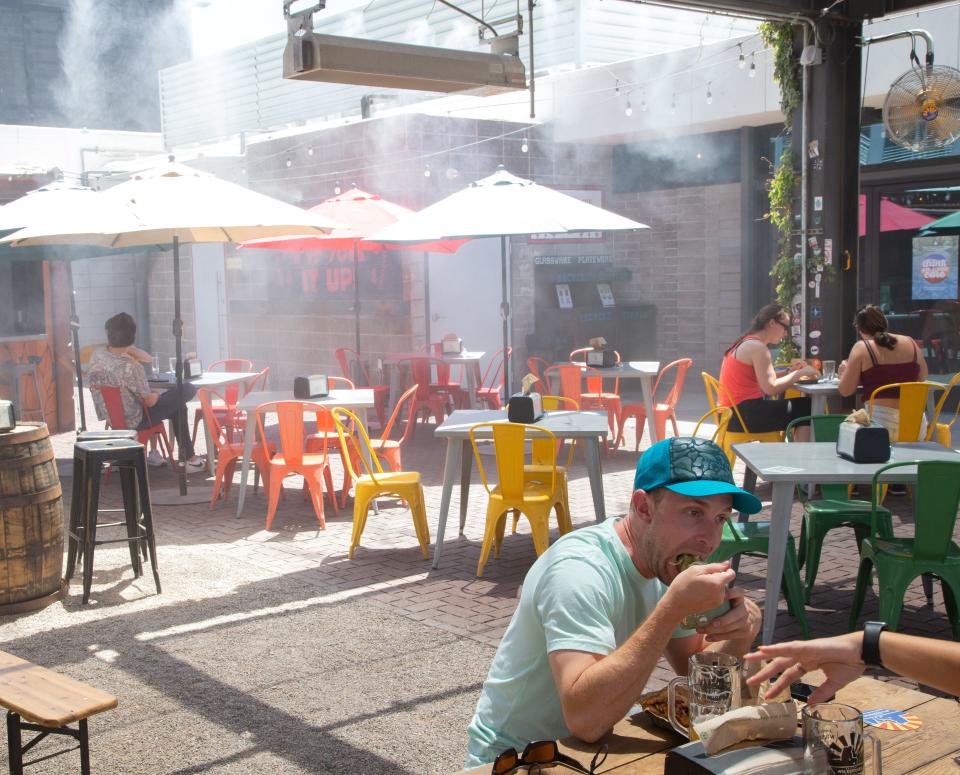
(829, 370)
(173, 365)
(713, 688)
(833, 740)
(156, 365)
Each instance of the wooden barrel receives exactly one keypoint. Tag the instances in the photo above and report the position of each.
(31, 520)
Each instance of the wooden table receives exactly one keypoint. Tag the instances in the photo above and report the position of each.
(357, 401)
(638, 747)
(589, 427)
(785, 465)
(469, 360)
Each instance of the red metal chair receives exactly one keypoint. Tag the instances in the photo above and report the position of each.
(491, 384)
(326, 436)
(231, 393)
(229, 451)
(435, 401)
(663, 410)
(570, 378)
(113, 401)
(538, 367)
(445, 382)
(351, 367)
(595, 397)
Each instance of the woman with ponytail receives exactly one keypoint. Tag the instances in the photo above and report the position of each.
(879, 358)
(747, 376)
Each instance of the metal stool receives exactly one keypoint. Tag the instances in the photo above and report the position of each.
(15, 372)
(89, 457)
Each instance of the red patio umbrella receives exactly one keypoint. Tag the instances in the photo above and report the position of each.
(893, 217)
(363, 214)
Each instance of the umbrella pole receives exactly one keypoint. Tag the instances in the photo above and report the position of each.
(505, 315)
(426, 296)
(356, 293)
(75, 335)
(178, 348)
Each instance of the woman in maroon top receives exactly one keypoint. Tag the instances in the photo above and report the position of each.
(879, 359)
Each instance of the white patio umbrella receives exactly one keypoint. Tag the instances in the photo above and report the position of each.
(174, 203)
(503, 205)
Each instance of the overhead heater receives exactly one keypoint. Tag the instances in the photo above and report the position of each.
(382, 64)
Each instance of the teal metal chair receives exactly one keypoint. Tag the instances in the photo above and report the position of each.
(931, 550)
(834, 508)
(754, 538)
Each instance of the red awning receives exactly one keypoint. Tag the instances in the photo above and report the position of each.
(893, 217)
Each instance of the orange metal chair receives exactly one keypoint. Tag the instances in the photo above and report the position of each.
(538, 367)
(231, 393)
(662, 411)
(406, 485)
(435, 401)
(113, 402)
(596, 397)
(228, 450)
(291, 457)
(491, 383)
(326, 434)
(351, 367)
(446, 382)
(535, 499)
(728, 438)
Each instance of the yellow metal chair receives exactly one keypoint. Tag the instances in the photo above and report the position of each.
(722, 415)
(912, 405)
(534, 498)
(728, 438)
(939, 431)
(406, 485)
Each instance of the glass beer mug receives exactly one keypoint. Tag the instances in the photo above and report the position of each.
(833, 740)
(713, 688)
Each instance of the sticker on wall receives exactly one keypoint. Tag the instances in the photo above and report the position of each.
(818, 165)
(812, 284)
(817, 219)
(828, 251)
(816, 290)
(813, 149)
(815, 334)
(813, 350)
(816, 312)
(812, 243)
(794, 331)
(818, 203)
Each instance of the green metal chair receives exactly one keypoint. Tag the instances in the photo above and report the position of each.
(754, 538)
(834, 508)
(930, 551)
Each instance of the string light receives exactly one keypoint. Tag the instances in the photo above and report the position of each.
(523, 145)
(289, 162)
(742, 61)
(629, 109)
(310, 151)
(643, 101)
(426, 171)
(709, 94)
(673, 104)
(336, 188)
(753, 64)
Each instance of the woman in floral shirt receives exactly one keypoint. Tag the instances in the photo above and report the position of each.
(120, 365)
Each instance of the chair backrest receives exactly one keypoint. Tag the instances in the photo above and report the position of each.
(569, 378)
(206, 396)
(714, 392)
(113, 402)
(231, 393)
(494, 370)
(580, 355)
(351, 366)
(509, 443)
(722, 416)
(594, 383)
(348, 428)
(341, 383)
(257, 382)
(936, 497)
(911, 406)
(407, 398)
(290, 421)
(938, 409)
(680, 366)
(554, 403)
(538, 367)
(420, 373)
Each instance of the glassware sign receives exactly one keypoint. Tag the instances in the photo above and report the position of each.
(593, 196)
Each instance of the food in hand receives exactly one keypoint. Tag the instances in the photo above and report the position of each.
(684, 561)
(695, 621)
(656, 704)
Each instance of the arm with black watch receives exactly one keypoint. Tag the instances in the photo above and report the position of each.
(870, 649)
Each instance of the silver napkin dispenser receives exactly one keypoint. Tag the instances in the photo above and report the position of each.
(863, 443)
(601, 359)
(192, 368)
(8, 416)
(451, 345)
(314, 386)
(525, 407)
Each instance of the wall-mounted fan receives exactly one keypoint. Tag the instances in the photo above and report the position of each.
(922, 108)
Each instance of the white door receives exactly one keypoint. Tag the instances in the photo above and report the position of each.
(465, 296)
(210, 302)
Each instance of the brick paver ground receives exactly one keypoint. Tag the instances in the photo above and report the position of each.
(388, 569)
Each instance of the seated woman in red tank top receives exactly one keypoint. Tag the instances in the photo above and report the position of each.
(879, 359)
(747, 377)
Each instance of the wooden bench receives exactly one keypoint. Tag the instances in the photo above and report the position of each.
(40, 700)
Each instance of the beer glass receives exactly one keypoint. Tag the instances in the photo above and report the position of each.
(156, 365)
(173, 365)
(833, 740)
(713, 688)
(829, 370)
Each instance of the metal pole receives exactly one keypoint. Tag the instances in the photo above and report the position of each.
(356, 293)
(181, 419)
(426, 296)
(804, 188)
(75, 335)
(505, 315)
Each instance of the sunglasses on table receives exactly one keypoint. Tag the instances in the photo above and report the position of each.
(543, 753)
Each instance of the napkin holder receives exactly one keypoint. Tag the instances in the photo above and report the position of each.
(863, 443)
(780, 758)
(8, 416)
(313, 386)
(451, 345)
(192, 368)
(525, 407)
(601, 359)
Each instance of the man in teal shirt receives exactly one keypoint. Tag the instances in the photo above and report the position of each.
(602, 605)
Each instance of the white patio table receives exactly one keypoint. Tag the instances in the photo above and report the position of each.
(819, 392)
(469, 360)
(786, 465)
(589, 427)
(357, 401)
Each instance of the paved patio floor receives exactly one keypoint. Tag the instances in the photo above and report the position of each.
(272, 651)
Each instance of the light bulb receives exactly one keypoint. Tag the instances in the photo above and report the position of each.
(523, 145)
(310, 151)
(629, 109)
(426, 171)
(742, 60)
(753, 65)
(709, 95)
(336, 188)
(288, 162)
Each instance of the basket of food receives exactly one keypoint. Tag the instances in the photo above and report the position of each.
(655, 705)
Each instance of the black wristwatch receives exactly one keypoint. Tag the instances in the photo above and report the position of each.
(870, 650)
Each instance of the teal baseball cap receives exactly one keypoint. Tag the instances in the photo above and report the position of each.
(693, 467)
